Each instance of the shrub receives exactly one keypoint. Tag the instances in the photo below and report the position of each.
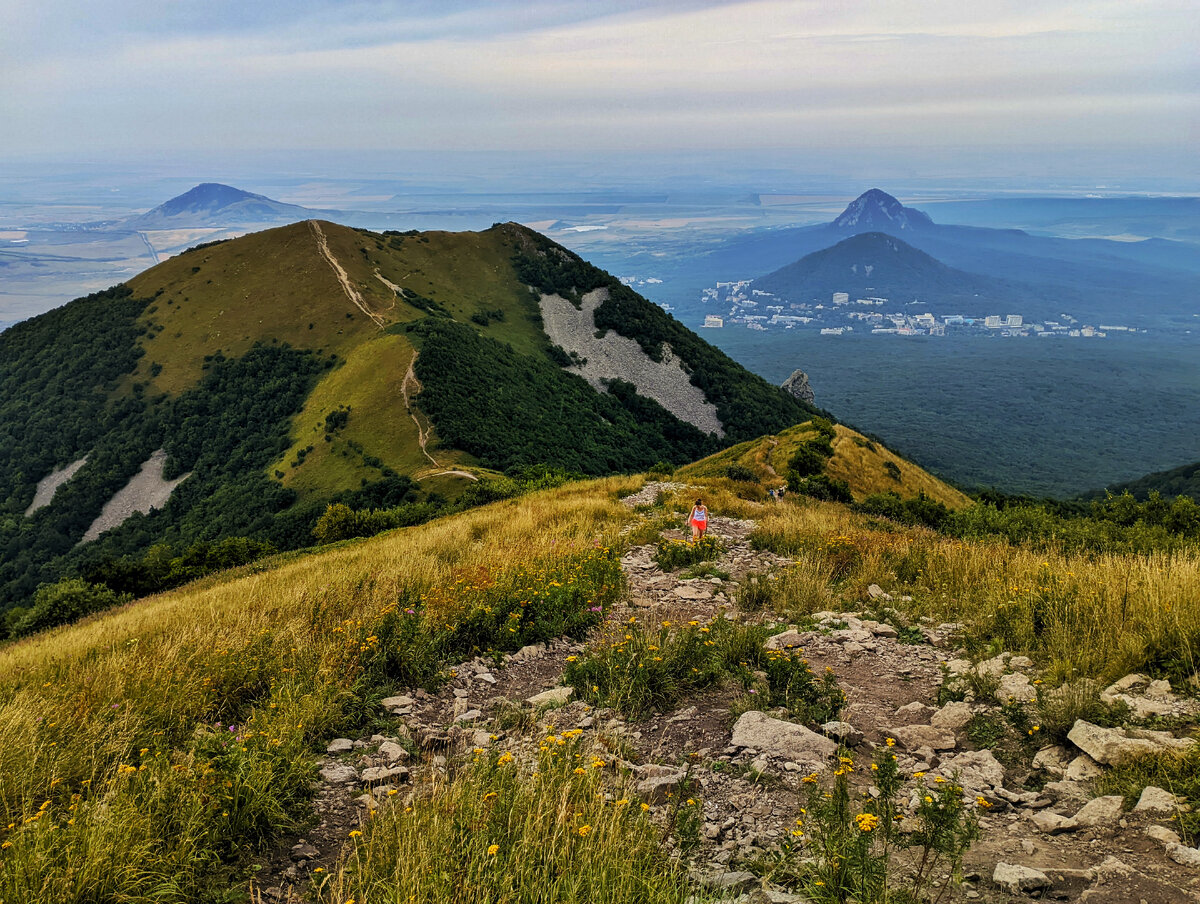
(740, 473)
(829, 489)
(68, 600)
(808, 459)
(845, 851)
(673, 554)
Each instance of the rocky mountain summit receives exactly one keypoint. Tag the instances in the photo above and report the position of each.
(797, 384)
(876, 210)
(740, 773)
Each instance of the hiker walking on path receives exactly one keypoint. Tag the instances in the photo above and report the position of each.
(699, 520)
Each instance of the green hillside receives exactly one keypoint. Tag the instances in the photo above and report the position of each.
(1181, 481)
(315, 363)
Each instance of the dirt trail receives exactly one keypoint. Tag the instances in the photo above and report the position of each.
(748, 798)
(351, 293)
(410, 379)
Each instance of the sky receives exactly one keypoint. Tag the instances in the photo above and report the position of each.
(1115, 79)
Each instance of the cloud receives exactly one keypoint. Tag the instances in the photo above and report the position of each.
(614, 74)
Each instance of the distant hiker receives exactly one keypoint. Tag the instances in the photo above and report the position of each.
(774, 497)
(699, 520)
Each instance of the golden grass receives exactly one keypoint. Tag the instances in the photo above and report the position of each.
(860, 462)
(109, 730)
(1080, 615)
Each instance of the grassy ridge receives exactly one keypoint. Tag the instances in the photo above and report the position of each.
(143, 752)
(862, 463)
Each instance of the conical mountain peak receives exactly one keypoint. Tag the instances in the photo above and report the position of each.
(876, 210)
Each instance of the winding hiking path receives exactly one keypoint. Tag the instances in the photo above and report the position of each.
(410, 379)
(351, 293)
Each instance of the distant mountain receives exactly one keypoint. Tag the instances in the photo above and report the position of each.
(1181, 481)
(1144, 283)
(214, 204)
(238, 388)
(874, 264)
(876, 210)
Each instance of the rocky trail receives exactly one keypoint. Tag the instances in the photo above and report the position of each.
(1044, 832)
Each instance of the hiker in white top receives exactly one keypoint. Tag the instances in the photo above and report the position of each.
(699, 520)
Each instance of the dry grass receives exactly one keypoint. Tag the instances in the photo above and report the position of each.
(141, 748)
(1082, 615)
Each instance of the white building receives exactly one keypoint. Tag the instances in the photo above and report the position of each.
(714, 321)
(841, 297)
(992, 322)
(1014, 320)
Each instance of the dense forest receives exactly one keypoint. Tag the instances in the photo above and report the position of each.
(1182, 481)
(512, 410)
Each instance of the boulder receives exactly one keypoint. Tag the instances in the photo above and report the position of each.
(916, 737)
(978, 770)
(658, 788)
(844, 732)
(876, 592)
(785, 641)
(1103, 811)
(1019, 879)
(383, 773)
(339, 745)
(1050, 823)
(556, 696)
(1155, 800)
(952, 716)
(392, 752)
(781, 739)
(797, 385)
(1083, 769)
(339, 773)
(1053, 759)
(394, 703)
(1015, 688)
(1111, 746)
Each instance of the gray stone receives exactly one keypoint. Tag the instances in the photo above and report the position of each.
(383, 773)
(392, 752)
(699, 591)
(797, 385)
(952, 716)
(916, 737)
(1083, 769)
(1019, 879)
(658, 788)
(1111, 746)
(556, 696)
(978, 770)
(1103, 811)
(844, 732)
(471, 715)
(1050, 823)
(391, 703)
(1184, 855)
(875, 592)
(1155, 800)
(304, 851)
(1053, 759)
(781, 739)
(340, 745)
(787, 640)
(1015, 688)
(1162, 835)
(339, 773)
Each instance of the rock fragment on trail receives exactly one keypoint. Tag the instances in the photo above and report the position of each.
(1155, 800)
(1017, 880)
(339, 745)
(556, 696)
(782, 740)
(952, 717)
(339, 773)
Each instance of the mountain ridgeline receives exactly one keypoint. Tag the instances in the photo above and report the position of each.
(237, 389)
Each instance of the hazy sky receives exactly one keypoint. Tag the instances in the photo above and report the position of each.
(101, 77)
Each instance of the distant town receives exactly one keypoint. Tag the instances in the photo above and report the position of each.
(754, 309)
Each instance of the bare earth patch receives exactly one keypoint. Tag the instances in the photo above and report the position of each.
(49, 485)
(145, 491)
(615, 357)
